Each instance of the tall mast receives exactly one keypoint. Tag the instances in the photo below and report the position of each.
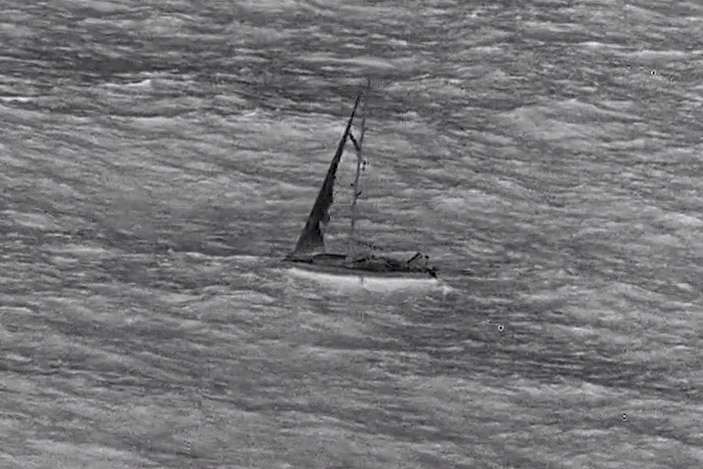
(360, 164)
(311, 237)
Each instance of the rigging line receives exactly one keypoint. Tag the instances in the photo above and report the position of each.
(359, 159)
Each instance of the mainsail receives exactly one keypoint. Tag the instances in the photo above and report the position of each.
(311, 237)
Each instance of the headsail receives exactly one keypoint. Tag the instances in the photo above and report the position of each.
(311, 237)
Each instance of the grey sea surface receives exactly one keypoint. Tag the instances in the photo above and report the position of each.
(159, 158)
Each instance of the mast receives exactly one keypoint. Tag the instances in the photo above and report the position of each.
(311, 236)
(360, 164)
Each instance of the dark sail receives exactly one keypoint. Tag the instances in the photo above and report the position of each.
(311, 237)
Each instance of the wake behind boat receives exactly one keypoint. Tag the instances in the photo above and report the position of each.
(309, 257)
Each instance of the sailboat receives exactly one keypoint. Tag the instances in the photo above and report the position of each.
(310, 256)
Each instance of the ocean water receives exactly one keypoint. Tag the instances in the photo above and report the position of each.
(158, 159)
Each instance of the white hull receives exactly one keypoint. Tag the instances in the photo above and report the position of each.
(368, 282)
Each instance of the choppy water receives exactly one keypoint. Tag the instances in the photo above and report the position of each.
(158, 157)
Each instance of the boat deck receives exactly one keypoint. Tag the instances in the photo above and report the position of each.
(376, 266)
